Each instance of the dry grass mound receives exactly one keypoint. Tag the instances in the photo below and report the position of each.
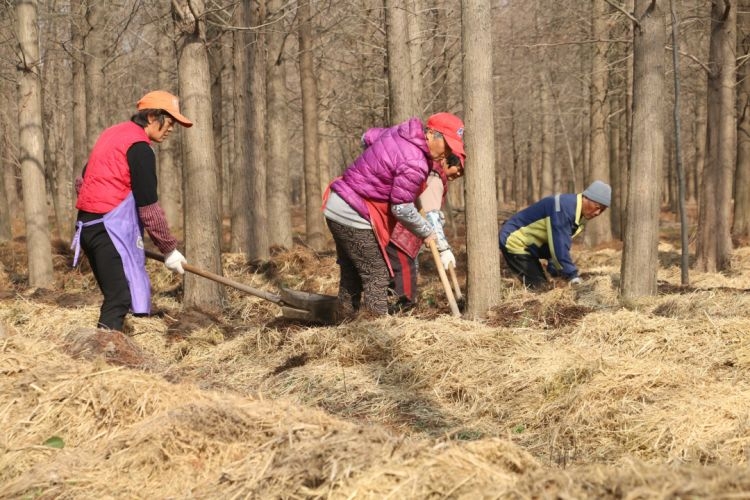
(562, 394)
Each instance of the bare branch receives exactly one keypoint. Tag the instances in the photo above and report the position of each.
(627, 14)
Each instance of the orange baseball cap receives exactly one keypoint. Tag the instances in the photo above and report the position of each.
(161, 99)
(452, 128)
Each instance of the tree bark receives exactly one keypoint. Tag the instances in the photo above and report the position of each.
(279, 185)
(483, 279)
(5, 215)
(200, 171)
(313, 215)
(714, 242)
(31, 143)
(78, 113)
(259, 247)
(94, 54)
(641, 239)
(400, 98)
(741, 226)
(599, 230)
(240, 217)
(170, 173)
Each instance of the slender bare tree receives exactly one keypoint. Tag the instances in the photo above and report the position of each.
(200, 170)
(256, 55)
(483, 280)
(170, 175)
(240, 216)
(279, 192)
(714, 243)
(94, 56)
(741, 226)
(78, 113)
(5, 215)
(313, 215)
(600, 230)
(400, 95)
(31, 141)
(641, 238)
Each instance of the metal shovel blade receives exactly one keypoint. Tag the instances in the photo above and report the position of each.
(320, 308)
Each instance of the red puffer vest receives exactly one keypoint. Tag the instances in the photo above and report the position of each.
(107, 179)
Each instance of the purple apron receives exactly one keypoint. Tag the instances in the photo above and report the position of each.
(124, 229)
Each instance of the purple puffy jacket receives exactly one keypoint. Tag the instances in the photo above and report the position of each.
(392, 169)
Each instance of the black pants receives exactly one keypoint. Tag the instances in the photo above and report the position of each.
(109, 273)
(528, 269)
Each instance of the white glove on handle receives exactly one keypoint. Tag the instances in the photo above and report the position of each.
(174, 261)
(576, 281)
(447, 258)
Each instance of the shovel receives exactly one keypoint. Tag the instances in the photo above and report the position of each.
(294, 304)
(444, 279)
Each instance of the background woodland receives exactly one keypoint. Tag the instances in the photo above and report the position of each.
(648, 95)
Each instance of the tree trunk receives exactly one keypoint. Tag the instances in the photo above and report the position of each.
(546, 178)
(94, 70)
(416, 57)
(228, 119)
(5, 215)
(258, 248)
(640, 253)
(680, 171)
(483, 278)
(31, 144)
(313, 214)
(63, 186)
(78, 113)
(279, 199)
(170, 175)
(714, 242)
(599, 230)
(400, 98)
(741, 226)
(200, 171)
(239, 241)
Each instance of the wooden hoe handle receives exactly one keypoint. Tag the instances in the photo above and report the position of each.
(444, 280)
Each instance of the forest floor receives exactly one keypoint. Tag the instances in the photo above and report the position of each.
(561, 394)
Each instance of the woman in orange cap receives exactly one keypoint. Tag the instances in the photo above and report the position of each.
(117, 196)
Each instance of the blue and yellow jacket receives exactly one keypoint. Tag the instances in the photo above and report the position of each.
(545, 230)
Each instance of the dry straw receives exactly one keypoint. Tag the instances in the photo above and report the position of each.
(564, 394)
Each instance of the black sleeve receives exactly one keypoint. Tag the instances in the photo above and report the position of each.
(142, 163)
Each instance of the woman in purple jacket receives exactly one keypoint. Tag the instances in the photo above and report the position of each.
(376, 190)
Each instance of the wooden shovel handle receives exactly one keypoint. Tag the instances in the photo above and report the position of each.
(444, 279)
(276, 299)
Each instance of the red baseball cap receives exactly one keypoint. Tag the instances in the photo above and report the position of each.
(452, 128)
(161, 99)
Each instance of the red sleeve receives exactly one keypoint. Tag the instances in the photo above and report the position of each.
(155, 221)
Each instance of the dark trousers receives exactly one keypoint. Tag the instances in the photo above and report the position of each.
(363, 269)
(528, 269)
(404, 273)
(110, 275)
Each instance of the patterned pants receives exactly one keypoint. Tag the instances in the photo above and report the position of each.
(363, 269)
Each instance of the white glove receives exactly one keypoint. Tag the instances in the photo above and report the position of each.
(576, 281)
(174, 261)
(447, 258)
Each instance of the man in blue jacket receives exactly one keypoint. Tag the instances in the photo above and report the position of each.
(545, 230)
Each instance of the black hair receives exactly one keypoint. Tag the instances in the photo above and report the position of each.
(140, 118)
